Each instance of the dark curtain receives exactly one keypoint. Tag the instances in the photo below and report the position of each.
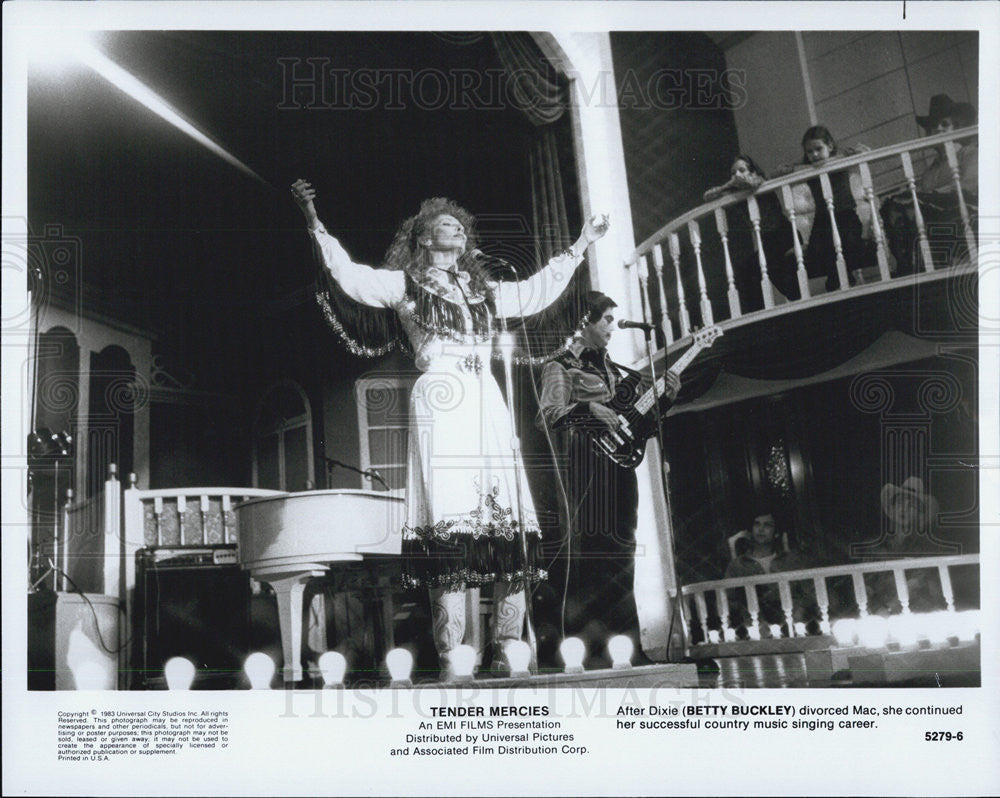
(542, 95)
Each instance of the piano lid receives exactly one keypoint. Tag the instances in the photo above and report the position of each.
(319, 526)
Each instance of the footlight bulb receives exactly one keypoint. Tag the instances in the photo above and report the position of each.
(463, 661)
(518, 655)
(620, 647)
(179, 673)
(333, 666)
(259, 669)
(967, 625)
(775, 631)
(572, 650)
(845, 631)
(873, 631)
(399, 661)
(938, 626)
(903, 629)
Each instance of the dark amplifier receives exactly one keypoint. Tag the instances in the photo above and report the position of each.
(191, 602)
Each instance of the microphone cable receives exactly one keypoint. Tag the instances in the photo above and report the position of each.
(570, 514)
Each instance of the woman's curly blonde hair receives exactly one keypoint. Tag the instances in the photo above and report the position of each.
(404, 253)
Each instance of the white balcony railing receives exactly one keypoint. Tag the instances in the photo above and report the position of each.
(184, 516)
(714, 620)
(694, 252)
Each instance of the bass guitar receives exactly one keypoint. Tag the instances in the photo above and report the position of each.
(626, 445)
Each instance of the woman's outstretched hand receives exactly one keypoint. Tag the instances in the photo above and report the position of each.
(595, 228)
(304, 194)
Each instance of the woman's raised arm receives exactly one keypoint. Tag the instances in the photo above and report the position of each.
(536, 293)
(374, 287)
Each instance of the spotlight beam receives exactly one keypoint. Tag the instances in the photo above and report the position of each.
(139, 91)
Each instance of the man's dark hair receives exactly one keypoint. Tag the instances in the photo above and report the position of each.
(597, 303)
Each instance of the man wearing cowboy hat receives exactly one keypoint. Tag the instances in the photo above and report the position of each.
(910, 516)
(910, 513)
(944, 116)
(936, 190)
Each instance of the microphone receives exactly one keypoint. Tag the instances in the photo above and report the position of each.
(493, 260)
(635, 325)
(373, 474)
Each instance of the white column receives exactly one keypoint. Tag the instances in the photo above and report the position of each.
(600, 157)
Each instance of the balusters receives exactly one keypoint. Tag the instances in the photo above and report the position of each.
(203, 512)
(800, 262)
(181, 519)
(734, 297)
(785, 592)
(765, 280)
(753, 607)
(668, 330)
(949, 593)
(647, 310)
(699, 603)
(869, 189)
(158, 519)
(823, 600)
(227, 506)
(694, 233)
(956, 176)
(918, 216)
(722, 602)
(860, 593)
(838, 246)
(902, 589)
(682, 314)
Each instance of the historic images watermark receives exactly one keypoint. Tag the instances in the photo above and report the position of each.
(314, 83)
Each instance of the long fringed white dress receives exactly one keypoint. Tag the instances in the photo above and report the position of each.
(462, 528)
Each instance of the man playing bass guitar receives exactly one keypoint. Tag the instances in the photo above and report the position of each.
(595, 567)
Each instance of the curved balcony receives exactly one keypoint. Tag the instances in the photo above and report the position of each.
(687, 271)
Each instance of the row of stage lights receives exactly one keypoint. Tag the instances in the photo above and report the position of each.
(260, 668)
(907, 630)
(897, 632)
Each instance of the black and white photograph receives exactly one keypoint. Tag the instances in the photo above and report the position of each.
(427, 369)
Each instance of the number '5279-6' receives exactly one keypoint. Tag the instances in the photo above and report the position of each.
(944, 736)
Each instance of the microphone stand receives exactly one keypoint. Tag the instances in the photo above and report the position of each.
(507, 347)
(370, 474)
(664, 480)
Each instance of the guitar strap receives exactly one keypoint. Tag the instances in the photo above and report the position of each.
(640, 382)
(629, 371)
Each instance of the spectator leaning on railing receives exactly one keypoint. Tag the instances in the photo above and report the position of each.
(936, 192)
(775, 236)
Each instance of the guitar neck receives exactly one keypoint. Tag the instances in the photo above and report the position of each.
(646, 401)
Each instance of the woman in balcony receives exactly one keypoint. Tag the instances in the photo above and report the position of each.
(936, 192)
(775, 236)
(819, 148)
(463, 528)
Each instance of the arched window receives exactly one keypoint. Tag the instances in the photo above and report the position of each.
(283, 445)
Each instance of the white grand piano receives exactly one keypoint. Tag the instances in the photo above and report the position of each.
(288, 539)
